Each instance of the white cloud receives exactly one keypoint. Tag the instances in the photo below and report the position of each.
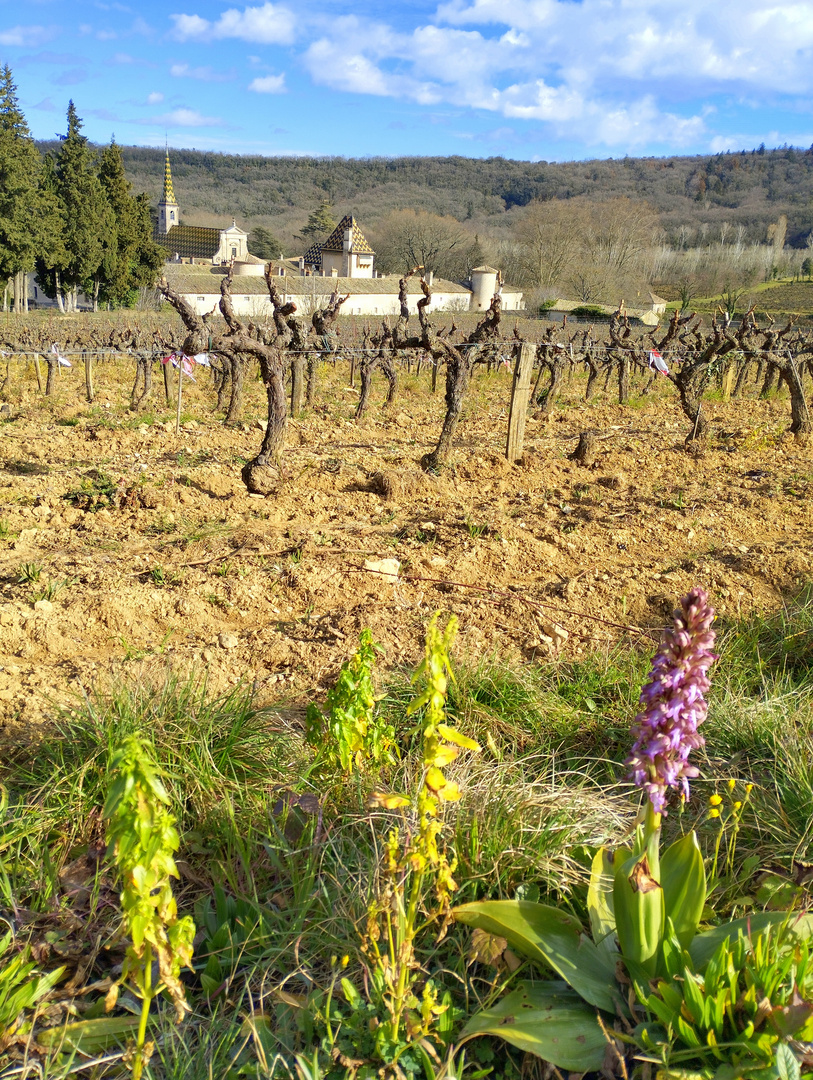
(155, 98)
(202, 74)
(620, 73)
(187, 118)
(269, 24)
(268, 84)
(27, 36)
(617, 72)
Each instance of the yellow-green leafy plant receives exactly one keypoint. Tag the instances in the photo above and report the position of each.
(351, 735)
(142, 840)
(723, 1002)
(415, 862)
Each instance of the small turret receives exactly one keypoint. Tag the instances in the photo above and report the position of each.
(484, 283)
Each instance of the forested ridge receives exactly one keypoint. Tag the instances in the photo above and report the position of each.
(749, 188)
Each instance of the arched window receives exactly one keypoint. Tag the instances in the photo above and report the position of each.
(172, 215)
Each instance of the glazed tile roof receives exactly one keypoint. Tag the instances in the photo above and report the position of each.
(335, 241)
(313, 256)
(190, 241)
(169, 194)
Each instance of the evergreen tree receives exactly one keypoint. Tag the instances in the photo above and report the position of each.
(131, 257)
(321, 223)
(87, 240)
(21, 219)
(264, 244)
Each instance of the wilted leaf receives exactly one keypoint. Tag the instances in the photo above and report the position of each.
(388, 799)
(486, 948)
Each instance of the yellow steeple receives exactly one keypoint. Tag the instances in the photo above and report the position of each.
(169, 194)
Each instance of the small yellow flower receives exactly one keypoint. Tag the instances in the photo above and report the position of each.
(345, 960)
(737, 805)
(714, 812)
(749, 788)
(732, 783)
(715, 800)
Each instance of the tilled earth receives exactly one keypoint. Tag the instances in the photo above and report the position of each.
(123, 544)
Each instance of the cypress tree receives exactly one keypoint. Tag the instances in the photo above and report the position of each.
(88, 234)
(21, 220)
(133, 258)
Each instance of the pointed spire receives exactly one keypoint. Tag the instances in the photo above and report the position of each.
(169, 194)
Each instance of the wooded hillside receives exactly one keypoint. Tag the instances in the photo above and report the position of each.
(692, 195)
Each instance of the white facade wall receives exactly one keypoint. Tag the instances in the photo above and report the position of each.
(257, 304)
(512, 301)
(347, 264)
(233, 245)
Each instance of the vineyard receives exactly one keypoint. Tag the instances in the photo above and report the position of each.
(631, 484)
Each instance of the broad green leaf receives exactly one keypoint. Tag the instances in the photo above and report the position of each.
(638, 906)
(704, 945)
(600, 901)
(683, 879)
(546, 1019)
(89, 1036)
(542, 932)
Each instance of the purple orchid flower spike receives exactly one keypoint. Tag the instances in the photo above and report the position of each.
(674, 705)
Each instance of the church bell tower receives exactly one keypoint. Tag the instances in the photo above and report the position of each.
(169, 212)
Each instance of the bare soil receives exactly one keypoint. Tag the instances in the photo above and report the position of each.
(175, 562)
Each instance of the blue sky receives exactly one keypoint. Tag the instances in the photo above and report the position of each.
(531, 79)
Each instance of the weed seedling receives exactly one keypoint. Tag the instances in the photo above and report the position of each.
(29, 573)
(477, 531)
(50, 590)
(162, 577)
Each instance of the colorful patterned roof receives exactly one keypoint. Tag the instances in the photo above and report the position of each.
(169, 194)
(335, 241)
(313, 256)
(190, 241)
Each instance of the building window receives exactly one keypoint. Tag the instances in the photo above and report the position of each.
(172, 215)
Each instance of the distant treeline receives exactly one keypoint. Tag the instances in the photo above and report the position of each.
(690, 194)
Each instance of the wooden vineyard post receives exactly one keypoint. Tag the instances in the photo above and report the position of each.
(88, 358)
(180, 385)
(353, 370)
(37, 370)
(297, 387)
(434, 374)
(167, 393)
(520, 392)
(728, 382)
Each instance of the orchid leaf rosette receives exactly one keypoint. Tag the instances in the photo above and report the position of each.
(638, 977)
